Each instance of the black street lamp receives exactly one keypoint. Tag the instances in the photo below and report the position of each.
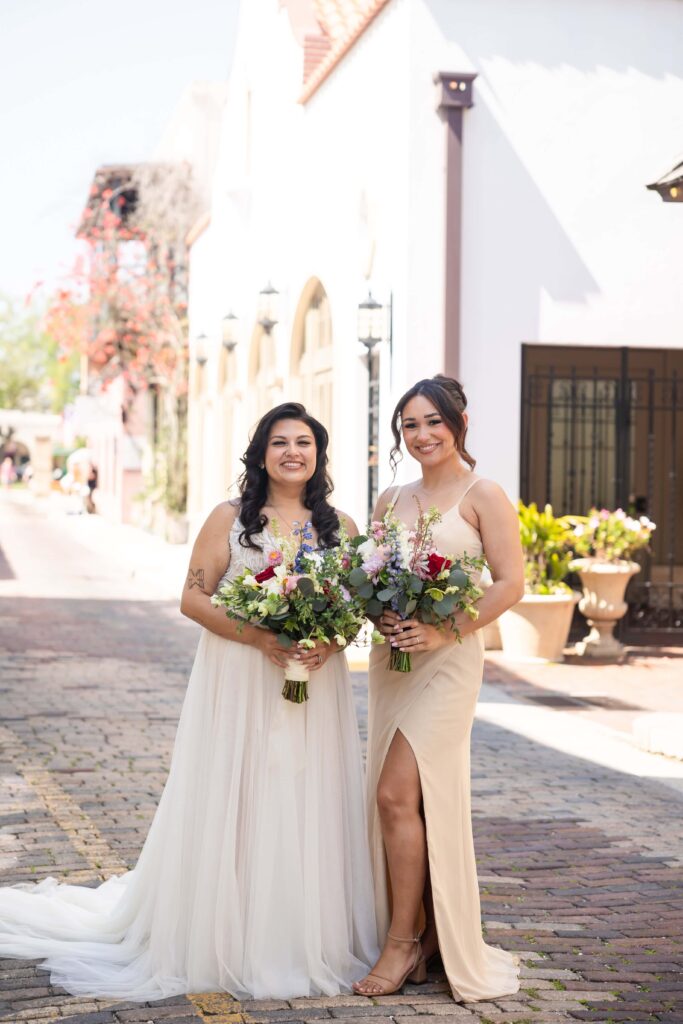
(201, 354)
(371, 329)
(229, 331)
(267, 307)
(670, 185)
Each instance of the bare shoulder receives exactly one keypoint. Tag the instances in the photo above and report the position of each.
(386, 497)
(486, 492)
(486, 501)
(347, 522)
(221, 518)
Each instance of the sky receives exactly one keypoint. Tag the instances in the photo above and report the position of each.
(84, 83)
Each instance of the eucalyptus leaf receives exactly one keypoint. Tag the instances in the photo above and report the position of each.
(386, 594)
(457, 578)
(320, 604)
(402, 603)
(374, 607)
(366, 590)
(357, 577)
(306, 586)
(411, 606)
(415, 584)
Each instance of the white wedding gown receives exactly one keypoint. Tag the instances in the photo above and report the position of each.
(255, 875)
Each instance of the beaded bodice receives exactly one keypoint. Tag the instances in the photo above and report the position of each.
(242, 558)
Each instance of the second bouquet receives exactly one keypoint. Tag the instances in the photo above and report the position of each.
(400, 569)
(300, 595)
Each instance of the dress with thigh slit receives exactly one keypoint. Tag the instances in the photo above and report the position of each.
(433, 706)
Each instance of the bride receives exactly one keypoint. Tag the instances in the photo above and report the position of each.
(255, 875)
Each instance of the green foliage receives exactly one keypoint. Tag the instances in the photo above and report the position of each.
(547, 545)
(34, 374)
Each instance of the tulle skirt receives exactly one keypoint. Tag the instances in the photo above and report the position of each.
(255, 875)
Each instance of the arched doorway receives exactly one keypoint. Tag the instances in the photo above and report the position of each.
(312, 360)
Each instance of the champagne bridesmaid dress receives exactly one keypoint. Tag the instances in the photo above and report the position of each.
(433, 707)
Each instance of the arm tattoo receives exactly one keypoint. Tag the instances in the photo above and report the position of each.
(195, 579)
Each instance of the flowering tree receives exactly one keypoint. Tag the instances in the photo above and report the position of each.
(125, 304)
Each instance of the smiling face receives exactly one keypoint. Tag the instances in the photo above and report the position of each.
(427, 437)
(291, 453)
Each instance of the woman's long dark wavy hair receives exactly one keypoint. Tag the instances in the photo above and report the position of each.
(253, 483)
(447, 395)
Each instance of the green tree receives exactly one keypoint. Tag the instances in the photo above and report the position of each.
(34, 372)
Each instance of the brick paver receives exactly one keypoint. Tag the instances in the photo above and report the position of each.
(581, 865)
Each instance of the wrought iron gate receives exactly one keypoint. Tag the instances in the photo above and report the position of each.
(604, 427)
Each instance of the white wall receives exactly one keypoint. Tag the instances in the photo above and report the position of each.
(577, 106)
(313, 191)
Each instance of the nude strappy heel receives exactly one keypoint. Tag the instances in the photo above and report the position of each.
(416, 973)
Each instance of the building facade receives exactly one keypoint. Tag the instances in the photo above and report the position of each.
(484, 165)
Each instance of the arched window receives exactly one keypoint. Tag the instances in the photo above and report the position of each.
(312, 352)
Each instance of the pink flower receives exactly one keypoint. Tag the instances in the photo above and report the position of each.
(604, 513)
(376, 561)
(345, 593)
(290, 583)
(275, 557)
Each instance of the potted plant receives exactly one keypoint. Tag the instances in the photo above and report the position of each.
(605, 543)
(538, 626)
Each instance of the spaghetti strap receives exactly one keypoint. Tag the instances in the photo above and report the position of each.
(394, 497)
(467, 489)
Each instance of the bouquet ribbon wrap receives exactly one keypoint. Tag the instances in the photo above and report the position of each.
(296, 682)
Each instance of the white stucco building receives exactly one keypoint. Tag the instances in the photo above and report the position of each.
(484, 164)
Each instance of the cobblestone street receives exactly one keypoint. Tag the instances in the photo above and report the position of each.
(579, 834)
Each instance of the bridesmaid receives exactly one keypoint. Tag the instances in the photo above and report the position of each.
(420, 723)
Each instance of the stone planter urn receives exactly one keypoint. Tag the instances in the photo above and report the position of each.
(604, 585)
(537, 627)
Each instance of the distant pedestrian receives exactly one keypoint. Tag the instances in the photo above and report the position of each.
(91, 484)
(8, 473)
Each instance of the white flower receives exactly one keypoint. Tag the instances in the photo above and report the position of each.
(251, 581)
(367, 548)
(341, 641)
(579, 530)
(273, 585)
(405, 547)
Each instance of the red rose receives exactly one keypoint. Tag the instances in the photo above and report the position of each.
(436, 564)
(265, 574)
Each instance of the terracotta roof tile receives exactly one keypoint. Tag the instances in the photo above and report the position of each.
(341, 22)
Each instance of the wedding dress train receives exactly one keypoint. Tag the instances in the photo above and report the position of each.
(255, 875)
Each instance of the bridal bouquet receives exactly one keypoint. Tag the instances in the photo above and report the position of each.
(301, 596)
(400, 569)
